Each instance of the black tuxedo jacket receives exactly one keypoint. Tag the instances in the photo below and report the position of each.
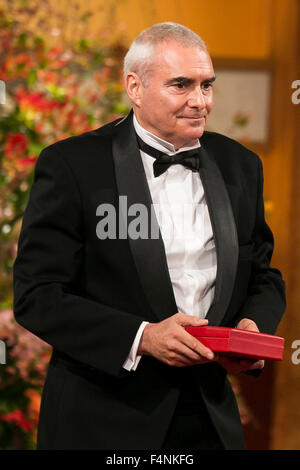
(87, 297)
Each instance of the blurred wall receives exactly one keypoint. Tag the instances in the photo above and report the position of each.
(257, 30)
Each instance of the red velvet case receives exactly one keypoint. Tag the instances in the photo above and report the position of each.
(241, 343)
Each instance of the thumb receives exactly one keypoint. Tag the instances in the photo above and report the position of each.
(190, 320)
(248, 324)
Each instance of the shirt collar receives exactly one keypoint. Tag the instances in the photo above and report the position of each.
(159, 143)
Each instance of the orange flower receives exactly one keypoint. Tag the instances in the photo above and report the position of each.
(34, 400)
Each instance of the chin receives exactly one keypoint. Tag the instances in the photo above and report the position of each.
(195, 134)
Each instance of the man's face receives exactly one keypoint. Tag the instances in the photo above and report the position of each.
(178, 95)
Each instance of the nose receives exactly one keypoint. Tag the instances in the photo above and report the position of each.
(196, 98)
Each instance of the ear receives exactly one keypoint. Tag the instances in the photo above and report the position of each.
(134, 88)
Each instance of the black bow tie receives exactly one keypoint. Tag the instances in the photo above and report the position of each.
(189, 158)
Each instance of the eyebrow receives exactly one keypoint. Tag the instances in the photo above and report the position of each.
(187, 81)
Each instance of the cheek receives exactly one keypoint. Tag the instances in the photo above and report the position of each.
(210, 103)
(172, 104)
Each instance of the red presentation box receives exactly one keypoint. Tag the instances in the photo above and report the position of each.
(240, 343)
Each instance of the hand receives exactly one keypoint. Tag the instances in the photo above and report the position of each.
(170, 343)
(235, 365)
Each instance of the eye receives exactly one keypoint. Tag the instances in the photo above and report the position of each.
(207, 85)
(179, 85)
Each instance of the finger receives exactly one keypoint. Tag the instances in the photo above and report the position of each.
(247, 324)
(195, 345)
(189, 354)
(238, 360)
(178, 359)
(189, 320)
(177, 348)
(235, 365)
(182, 361)
(257, 365)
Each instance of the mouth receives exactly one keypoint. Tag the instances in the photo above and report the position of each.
(194, 118)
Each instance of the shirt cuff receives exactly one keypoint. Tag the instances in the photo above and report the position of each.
(132, 359)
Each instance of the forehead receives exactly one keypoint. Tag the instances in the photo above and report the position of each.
(174, 60)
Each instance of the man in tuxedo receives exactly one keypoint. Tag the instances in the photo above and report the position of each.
(132, 232)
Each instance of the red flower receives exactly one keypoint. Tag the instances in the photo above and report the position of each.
(36, 101)
(19, 419)
(15, 144)
(26, 162)
(54, 53)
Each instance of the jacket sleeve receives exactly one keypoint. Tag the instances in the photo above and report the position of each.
(265, 302)
(49, 296)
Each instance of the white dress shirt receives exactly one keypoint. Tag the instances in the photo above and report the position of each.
(183, 218)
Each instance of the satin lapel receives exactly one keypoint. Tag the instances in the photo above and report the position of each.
(225, 235)
(148, 254)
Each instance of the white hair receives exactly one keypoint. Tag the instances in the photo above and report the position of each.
(139, 57)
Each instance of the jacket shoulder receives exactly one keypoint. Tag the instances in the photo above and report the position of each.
(214, 140)
(227, 151)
